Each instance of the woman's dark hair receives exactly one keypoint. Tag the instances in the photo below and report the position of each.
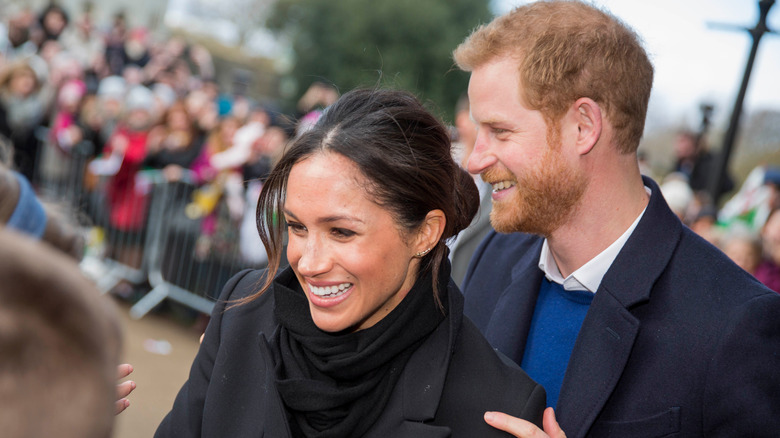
(404, 153)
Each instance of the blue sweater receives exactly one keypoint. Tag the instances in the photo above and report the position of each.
(556, 322)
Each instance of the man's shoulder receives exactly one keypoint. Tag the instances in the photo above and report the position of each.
(499, 252)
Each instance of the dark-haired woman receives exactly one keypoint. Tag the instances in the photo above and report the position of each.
(363, 334)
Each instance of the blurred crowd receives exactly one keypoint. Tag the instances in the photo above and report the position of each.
(129, 103)
(746, 226)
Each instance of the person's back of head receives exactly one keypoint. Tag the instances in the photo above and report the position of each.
(567, 50)
(59, 345)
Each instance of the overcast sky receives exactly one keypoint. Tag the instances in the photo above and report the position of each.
(695, 62)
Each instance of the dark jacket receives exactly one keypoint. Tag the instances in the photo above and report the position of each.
(678, 341)
(469, 239)
(444, 390)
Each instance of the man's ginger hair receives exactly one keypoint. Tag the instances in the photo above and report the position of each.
(567, 50)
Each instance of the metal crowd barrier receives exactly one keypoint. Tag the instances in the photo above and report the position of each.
(150, 237)
(184, 264)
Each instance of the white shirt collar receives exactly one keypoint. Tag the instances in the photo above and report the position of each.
(588, 276)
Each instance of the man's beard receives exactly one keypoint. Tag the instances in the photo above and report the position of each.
(544, 197)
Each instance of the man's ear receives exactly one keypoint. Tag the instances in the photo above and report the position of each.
(587, 116)
(430, 231)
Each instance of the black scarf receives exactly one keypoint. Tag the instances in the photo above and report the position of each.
(337, 384)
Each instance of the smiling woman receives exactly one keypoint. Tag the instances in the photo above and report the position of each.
(363, 334)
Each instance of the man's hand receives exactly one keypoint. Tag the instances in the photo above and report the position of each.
(525, 429)
(123, 389)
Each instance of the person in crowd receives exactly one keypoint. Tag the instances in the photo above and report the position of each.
(121, 160)
(16, 44)
(678, 195)
(51, 24)
(22, 109)
(266, 152)
(694, 160)
(362, 335)
(59, 345)
(462, 247)
(173, 145)
(743, 247)
(633, 323)
(768, 271)
(705, 224)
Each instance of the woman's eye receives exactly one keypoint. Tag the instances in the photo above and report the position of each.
(295, 227)
(341, 232)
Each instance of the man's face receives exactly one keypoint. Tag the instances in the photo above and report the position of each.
(536, 185)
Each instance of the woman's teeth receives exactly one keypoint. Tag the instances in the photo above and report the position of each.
(330, 291)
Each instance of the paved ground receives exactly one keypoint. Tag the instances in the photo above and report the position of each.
(158, 376)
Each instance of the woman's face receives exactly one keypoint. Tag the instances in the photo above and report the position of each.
(348, 253)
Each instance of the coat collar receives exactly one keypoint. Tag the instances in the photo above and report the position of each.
(608, 332)
(419, 390)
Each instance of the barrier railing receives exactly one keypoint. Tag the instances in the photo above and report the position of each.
(187, 264)
(147, 232)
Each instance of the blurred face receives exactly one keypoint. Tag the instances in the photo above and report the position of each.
(22, 83)
(347, 252)
(743, 253)
(535, 186)
(770, 236)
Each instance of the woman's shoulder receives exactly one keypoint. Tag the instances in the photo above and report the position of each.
(481, 379)
(236, 303)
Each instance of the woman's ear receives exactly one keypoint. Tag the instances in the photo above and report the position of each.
(430, 231)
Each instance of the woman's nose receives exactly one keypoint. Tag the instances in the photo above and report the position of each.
(313, 259)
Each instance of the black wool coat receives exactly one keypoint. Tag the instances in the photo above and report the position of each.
(444, 390)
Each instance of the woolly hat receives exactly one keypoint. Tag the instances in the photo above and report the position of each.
(139, 98)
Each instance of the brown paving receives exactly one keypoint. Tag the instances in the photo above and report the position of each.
(158, 377)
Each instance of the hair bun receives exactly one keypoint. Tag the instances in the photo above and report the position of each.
(466, 201)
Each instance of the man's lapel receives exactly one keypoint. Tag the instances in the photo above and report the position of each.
(609, 330)
(511, 320)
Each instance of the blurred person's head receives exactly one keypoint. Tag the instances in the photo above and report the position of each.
(53, 21)
(138, 107)
(133, 74)
(704, 224)
(19, 28)
(685, 145)
(60, 342)
(772, 181)
(111, 96)
(770, 236)
(467, 130)
(137, 44)
(221, 137)
(70, 95)
(678, 194)
(19, 80)
(744, 248)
